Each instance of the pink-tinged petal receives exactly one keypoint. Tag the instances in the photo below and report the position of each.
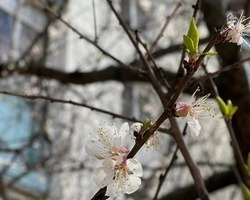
(135, 167)
(193, 112)
(194, 125)
(182, 109)
(123, 150)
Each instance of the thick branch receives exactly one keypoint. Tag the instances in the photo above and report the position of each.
(215, 182)
(117, 72)
(81, 78)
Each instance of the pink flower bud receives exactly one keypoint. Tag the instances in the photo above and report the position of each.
(183, 109)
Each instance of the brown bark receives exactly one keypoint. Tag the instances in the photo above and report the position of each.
(215, 182)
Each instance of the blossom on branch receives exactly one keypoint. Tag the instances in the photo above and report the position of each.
(237, 28)
(120, 178)
(109, 143)
(119, 174)
(153, 141)
(193, 111)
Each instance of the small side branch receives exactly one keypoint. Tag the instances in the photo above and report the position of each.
(163, 176)
(74, 103)
(168, 19)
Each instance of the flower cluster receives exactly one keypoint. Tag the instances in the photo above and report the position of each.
(120, 174)
(237, 28)
(193, 111)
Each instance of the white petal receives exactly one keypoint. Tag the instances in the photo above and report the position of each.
(114, 137)
(127, 186)
(136, 126)
(124, 131)
(114, 188)
(117, 142)
(108, 133)
(111, 189)
(132, 184)
(135, 167)
(112, 130)
(95, 148)
(103, 175)
(194, 124)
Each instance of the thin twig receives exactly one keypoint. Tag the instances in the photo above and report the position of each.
(180, 71)
(237, 152)
(168, 19)
(95, 24)
(74, 103)
(238, 155)
(223, 70)
(82, 36)
(163, 177)
(158, 73)
(196, 8)
(145, 63)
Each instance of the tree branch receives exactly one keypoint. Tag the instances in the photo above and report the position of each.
(213, 183)
(74, 103)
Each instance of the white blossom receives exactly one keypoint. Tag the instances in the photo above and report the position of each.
(120, 178)
(119, 174)
(109, 143)
(193, 111)
(136, 126)
(153, 142)
(237, 28)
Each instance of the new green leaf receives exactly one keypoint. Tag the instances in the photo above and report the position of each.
(146, 124)
(193, 33)
(189, 44)
(228, 110)
(231, 109)
(222, 105)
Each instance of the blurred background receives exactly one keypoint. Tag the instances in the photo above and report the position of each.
(42, 142)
